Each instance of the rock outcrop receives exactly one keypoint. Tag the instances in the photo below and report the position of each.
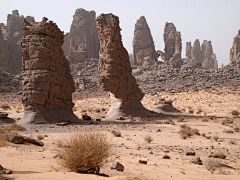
(115, 73)
(82, 41)
(200, 56)
(10, 53)
(173, 46)
(235, 50)
(47, 82)
(143, 45)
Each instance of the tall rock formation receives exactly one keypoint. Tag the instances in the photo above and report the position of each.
(47, 82)
(115, 73)
(200, 56)
(173, 46)
(143, 45)
(235, 50)
(12, 34)
(4, 54)
(82, 41)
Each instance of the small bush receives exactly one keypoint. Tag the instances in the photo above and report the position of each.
(3, 141)
(181, 119)
(236, 129)
(187, 131)
(212, 165)
(235, 112)
(183, 126)
(116, 133)
(215, 138)
(148, 138)
(203, 134)
(199, 111)
(228, 131)
(85, 151)
(11, 129)
(40, 137)
(227, 122)
(173, 123)
(191, 111)
(205, 119)
(232, 142)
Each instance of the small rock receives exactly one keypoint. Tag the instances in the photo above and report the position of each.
(159, 130)
(121, 118)
(166, 156)
(118, 166)
(62, 123)
(7, 171)
(98, 119)
(190, 153)
(196, 160)
(56, 157)
(220, 156)
(142, 162)
(86, 117)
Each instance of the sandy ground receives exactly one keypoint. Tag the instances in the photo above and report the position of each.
(28, 161)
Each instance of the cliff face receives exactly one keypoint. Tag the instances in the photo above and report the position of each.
(47, 82)
(82, 40)
(143, 45)
(11, 59)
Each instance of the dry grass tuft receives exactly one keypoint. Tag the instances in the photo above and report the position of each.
(215, 138)
(148, 138)
(11, 129)
(3, 141)
(116, 133)
(203, 134)
(199, 111)
(212, 165)
(232, 142)
(227, 121)
(235, 112)
(85, 151)
(40, 137)
(181, 119)
(205, 119)
(187, 131)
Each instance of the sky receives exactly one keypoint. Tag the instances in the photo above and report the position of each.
(215, 20)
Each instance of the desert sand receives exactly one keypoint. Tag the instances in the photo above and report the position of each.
(29, 161)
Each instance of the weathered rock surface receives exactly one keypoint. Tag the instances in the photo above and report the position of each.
(3, 115)
(143, 45)
(200, 57)
(235, 50)
(47, 82)
(82, 40)
(165, 106)
(173, 46)
(115, 73)
(10, 43)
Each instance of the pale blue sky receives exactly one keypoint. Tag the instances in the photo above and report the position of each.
(215, 20)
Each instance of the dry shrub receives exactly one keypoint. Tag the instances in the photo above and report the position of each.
(173, 123)
(74, 108)
(84, 151)
(215, 138)
(211, 165)
(17, 111)
(199, 111)
(40, 137)
(227, 121)
(220, 154)
(11, 129)
(232, 142)
(228, 131)
(235, 112)
(205, 119)
(148, 138)
(45, 135)
(116, 133)
(187, 131)
(203, 134)
(3, 141)
(181, 119)
(191, 111)
(236, 129)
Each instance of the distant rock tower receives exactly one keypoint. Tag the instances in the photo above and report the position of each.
(47, 82)
(143, 45)
(235, 50)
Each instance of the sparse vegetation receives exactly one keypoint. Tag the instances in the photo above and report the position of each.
(40, 137)
(215, 138)
(236, 129)
(232, 142)
(228, 131)
(235, 112)
(187, 131)
(148, 138)
(3, 142)
(205, 119)
(85, 151)
(17, 111)
(116, 133)
(203, 134)
(5, 106)
(11, 129)
(212, 165)
(199, 111)
(181, 119)
(227, 121)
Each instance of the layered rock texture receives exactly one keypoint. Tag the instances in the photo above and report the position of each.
(115, 73)
(235, 50)
(47, 82)
(82, 40)
(200, 56)
(173, 46)
(10, 39)
(143, 45)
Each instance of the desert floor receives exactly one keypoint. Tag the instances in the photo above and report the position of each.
(28, 161)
